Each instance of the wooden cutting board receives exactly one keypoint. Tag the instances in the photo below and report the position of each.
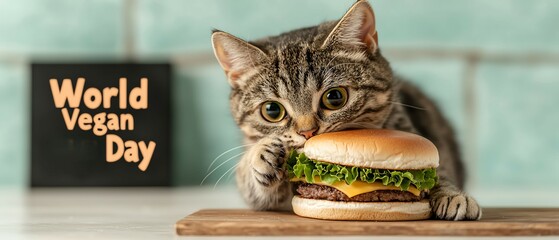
(495, 222)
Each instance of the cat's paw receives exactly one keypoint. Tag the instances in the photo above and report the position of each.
(267, 164)
(455, 206)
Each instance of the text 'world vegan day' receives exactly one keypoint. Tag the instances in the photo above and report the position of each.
(69, 99)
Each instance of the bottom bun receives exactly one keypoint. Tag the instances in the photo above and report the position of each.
(372, 211)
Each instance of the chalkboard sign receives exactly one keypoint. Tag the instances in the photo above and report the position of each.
(100, 125)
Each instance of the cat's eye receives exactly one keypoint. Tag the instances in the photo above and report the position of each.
(272, 111)
(334, 98)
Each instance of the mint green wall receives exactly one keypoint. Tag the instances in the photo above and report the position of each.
(14, 131)
(507, 126)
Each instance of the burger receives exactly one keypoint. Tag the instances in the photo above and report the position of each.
(367, 174)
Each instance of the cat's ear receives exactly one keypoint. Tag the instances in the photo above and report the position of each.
(235, 55)
(357, 27)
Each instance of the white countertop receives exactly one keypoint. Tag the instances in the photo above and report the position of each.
(147, 213)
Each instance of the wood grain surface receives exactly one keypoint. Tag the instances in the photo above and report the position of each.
(241, 222)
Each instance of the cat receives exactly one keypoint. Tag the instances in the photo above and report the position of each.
(330, 77)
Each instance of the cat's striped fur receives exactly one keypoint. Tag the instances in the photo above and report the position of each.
(295, 69)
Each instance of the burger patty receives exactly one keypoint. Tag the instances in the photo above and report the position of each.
(315, 191)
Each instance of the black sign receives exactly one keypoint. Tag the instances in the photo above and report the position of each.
(100, 125)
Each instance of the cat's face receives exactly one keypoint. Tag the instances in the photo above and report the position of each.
(310, 81)
(302, 91)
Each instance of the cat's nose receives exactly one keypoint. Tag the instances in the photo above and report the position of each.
(308, 133)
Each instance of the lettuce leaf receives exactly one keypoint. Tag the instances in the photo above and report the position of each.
(299, 165)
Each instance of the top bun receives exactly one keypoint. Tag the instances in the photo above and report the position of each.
(373, 148)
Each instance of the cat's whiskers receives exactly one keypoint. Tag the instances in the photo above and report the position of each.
(229, 159)
(229, 177)
(227, 151)
(407, 105)
(225, 173)
(329, 62)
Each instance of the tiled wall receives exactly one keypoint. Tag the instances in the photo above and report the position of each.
(491, 65)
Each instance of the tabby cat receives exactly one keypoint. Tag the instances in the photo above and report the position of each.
(288, 88)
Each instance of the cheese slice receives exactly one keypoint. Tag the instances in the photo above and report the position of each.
(357, 187)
